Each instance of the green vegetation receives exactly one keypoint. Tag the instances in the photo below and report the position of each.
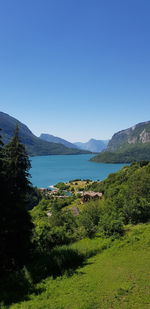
(115, 276)
(53, 225)
(137, 135)
(64, 253)
(15, 227)
(62, 186)
(89, 218)
(130, 153)
(127, 193)
(130, 145)
(78, 184)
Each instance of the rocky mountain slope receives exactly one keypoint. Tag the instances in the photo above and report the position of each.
(132, 144)
(138, 134)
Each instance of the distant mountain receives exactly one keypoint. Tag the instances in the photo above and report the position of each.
(132, 144)
(93, 145)
(34, 145)
(55, 139)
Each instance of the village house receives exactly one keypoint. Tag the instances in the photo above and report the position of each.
(90, 195)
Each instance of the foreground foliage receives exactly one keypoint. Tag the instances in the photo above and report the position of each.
(15, 224)
(127, 193)
(45, 252)
(117, 276)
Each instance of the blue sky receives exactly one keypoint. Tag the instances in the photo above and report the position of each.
(75, 68)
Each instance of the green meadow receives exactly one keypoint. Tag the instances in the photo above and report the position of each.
(115, 275)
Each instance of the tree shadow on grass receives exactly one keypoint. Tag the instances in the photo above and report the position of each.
(14, 287)
(59, 261)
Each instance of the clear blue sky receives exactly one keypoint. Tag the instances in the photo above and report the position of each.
(75, 68)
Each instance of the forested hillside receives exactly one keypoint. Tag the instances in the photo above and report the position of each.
(64, 248)
(34, 145)
(128, 145)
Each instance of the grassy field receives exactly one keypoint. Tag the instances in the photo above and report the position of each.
(78, 185)
(116, 275)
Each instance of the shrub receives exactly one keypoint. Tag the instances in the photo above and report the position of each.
(62, 186)
(111, 225)
(89, 218)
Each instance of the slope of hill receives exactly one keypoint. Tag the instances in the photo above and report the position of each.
(93, 145)
(128, 145)
(106, 271)
(116, 276)
(136, 135)
(55, 139)
(34, 145)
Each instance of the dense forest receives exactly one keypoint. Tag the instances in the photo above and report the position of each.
(38, 230)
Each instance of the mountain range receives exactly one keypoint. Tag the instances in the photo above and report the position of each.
(55, 139)
(34, 145)
(129, 145)
(93, 145)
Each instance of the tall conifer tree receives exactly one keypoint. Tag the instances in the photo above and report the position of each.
(17, 166)
(15, 221)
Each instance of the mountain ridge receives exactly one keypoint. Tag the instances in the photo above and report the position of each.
(54, 139)
(129, 145)
(139, 133)
(93, 145)
(34, 145)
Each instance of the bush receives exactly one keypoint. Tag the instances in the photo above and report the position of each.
(111, 225)
(56, 229)
(89, 218)
(136, 210)
(62, 186)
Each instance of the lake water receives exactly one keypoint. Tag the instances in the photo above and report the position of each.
(49, 170)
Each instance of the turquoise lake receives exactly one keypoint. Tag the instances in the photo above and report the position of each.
(49, 170)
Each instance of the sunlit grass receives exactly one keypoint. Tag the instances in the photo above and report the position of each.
(116, 276)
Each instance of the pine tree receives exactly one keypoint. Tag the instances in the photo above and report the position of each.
(2, 189)
(17, 165)
(15, 227)
(1, 145)
(1, 156)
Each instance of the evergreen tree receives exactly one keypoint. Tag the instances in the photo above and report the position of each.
(17, 165)
(1, 170)
(1, 161)
(15, 227)
(1, 143)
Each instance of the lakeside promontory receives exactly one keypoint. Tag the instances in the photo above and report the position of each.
(126, 146)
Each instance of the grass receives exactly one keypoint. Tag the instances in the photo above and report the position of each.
(116, 275)
(78, 185)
